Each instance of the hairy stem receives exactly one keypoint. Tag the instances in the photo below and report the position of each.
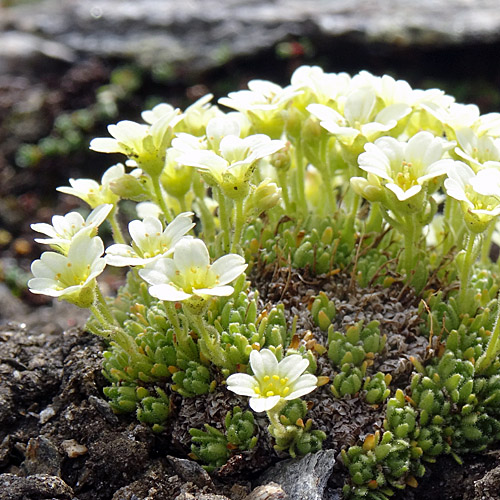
(160, 200)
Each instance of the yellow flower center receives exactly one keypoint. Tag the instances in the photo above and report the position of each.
(272, 385)
(405, 178)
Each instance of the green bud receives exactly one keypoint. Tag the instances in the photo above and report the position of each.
(282, 159)
(130, 187)
(265, 196)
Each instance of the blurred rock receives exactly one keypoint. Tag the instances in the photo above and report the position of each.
(207, 33)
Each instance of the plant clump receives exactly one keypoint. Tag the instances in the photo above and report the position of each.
(322, 249)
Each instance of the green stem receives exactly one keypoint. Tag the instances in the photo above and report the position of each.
(225, 221)
(282, 180)
(115, 226)
(300, 179)
(207, 221)
(182, 339)
(210, 347)
(410, 242)
(182, 203)
(239, 223)
(489, 356)
(107, 329)
(348, 233)
(274, 417)
(173, 318)
(466, 270)
(160, 200)
(485, 247)
(103, 307)
(326, 174)
(129, 345)
(375, 220)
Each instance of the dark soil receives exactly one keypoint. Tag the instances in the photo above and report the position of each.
(59, 438)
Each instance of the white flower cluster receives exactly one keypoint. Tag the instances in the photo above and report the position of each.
(317, 145)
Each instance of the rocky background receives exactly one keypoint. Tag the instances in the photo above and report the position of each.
(70, 67)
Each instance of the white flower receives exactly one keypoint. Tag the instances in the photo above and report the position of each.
(92, 192)
(233, 167)
(199, 114)
(65, 227)
(263, 105)
(360, 116)
(148, 209)
(189, 273)
(70, 277)
(149, 241)
(159, 112)
(144, 144)
(477, 150)
(406, 166)
(263, 97)
(478, 194)
(318, 86)
(272, 381)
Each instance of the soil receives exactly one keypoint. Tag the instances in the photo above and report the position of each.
(59, 438)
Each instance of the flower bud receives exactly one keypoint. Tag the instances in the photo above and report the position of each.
(281, 160)
(176, 180)
(130, 187)
(265, 196)
(369, 188)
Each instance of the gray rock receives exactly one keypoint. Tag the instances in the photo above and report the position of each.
(305, 478)
(207, 33)
(37, 487)
(191, 471)
(42, 457)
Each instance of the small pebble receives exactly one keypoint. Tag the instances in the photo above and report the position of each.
(46, 415)
(73, 449)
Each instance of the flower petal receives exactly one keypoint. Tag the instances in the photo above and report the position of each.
(292, 367)
(217, 291)
(306, 384)
(168, 292)
(264, 404)
(228, 267)
(191, 253)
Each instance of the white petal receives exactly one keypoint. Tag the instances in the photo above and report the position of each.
(191, 253)
(112, 173)
(326, 114)
(436, 169)
(168, 293)
(160, 272)
(228, 267)
(403, 195)
(128, 132)
(292, 367)
(44, 228)
(242, 384)
(216, 291)
(306, 384)
(359, 106)
(263, 363)
(99, 214)
(105, 145)
(456, 190)
(205, 160)
(179, 227)
(264, 404)
(44, 286)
